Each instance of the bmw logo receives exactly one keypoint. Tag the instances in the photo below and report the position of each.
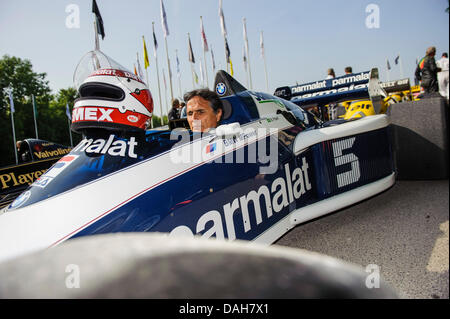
(221, 88)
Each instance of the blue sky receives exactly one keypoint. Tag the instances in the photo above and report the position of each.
(302, 38)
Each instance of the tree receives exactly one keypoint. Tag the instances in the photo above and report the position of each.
(51, 110)
(18, 74)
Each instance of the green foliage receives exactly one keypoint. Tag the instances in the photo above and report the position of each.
(157, 121)
(51, 119)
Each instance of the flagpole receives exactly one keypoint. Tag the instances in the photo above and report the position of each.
(212, 62)
(247, 51)
(168, 69)
(387, 70)
(14, 136)
(34, 115)
(192, 72)
(244, 60)
(224, 32)
(265, 64)
(401, 65)
(11, 105)
(70, 133)
(178, 74)
(204, 54)
(157, 69)
(226, 60)
(191, 59)
(97, 42)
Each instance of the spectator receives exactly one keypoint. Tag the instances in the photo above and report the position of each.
(183, 110)
(427, 70)
(348, 70)
(174, 113)
(443, 75)
(331, 74)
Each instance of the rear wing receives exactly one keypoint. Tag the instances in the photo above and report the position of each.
(326, 91)
(349, 87)
(396, 86)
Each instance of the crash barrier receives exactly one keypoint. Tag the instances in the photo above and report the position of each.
(152, 265)
(420, 138)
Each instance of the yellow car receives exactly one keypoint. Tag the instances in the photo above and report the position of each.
(360, 108)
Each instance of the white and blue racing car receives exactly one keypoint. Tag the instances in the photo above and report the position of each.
(268, 167)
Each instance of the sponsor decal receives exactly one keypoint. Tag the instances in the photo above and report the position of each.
(20, 200)
(99, 114)
(113, 148)
(119, 73)
(334, 91)
(132, 118)
(221, 89)
(47, 154)
(211, 148)
(12, 180)
(280, 194)
(55, 170)
(331, 83)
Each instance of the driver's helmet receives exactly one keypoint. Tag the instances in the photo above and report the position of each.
(111, 97)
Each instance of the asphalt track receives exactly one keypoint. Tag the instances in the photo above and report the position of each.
(404, 231)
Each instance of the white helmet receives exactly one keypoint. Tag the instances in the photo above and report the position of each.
(111, 97)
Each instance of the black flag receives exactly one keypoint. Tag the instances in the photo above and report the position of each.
(99, 19)
(191, 53)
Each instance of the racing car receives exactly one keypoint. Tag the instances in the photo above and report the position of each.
(35, 156)
(347, 96)
(269, 166)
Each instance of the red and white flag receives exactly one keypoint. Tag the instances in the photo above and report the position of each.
(202, 31)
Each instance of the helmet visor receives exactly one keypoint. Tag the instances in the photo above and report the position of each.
(97, 63)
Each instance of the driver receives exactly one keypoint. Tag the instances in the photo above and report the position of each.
(204, 109)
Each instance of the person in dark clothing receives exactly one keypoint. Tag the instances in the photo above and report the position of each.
(427, 70)
(174, 113)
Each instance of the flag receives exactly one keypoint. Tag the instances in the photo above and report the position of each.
(164, 20)
(146, 62)
(191, 53)
(69, 116)
(396, 59)
(227, 51)
(231, 68)
(11, 101)
(202, 31)
(388, 65)
(195, 77)
(222, 19)
(139, 69)
(261, 44)
(245, 34)
(98, 17)
(178, 65)
(212, 57)
(155, 43)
